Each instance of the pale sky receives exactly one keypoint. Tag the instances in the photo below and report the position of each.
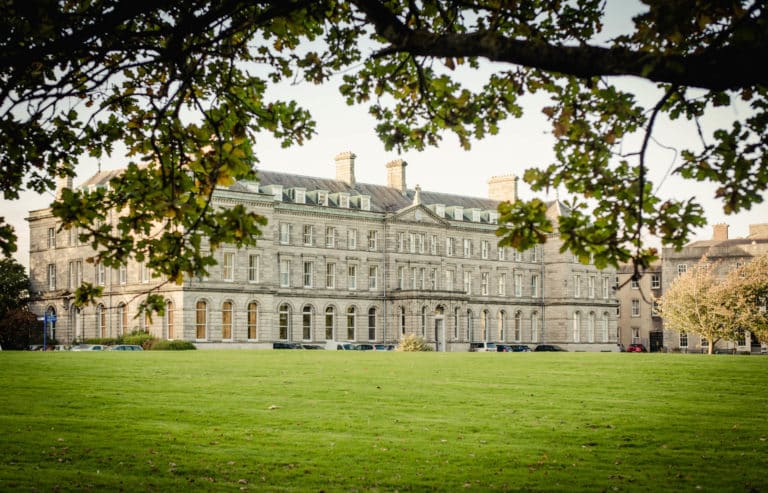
(520, 144)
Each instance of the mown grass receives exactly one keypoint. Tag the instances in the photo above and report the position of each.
(341, 421)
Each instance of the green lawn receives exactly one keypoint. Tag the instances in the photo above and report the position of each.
(354, 421)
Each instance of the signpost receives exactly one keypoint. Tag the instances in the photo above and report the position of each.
(48, 320)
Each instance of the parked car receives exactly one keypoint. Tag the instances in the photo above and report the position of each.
(126, 347)
(482, 347)
(90, 347)
(518, 348)
(548, 348)
(311, 346)
(364, 347)
(339, 346)
(286, 345)
(502, 348)
(383, 347)
(636, 348)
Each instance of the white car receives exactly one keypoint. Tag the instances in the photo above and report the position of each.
(483, 347)
(89, 347)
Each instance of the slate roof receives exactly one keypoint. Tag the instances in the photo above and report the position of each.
(383, 198)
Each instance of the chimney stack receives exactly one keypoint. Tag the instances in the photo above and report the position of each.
(63, 182)
(345, 168)
(503, 188)
(396, 174)
(758, 231)
(720, 232)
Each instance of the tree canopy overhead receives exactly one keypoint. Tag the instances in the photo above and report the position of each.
(181, 85)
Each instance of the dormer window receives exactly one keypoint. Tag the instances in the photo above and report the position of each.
(365, 203)
(344, 200)
(475, 215)
(322, 198)
(493, 217)
(300, 196)
(277, 191)
(458, 213)
(440, 210)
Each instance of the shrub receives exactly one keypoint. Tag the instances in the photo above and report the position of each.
(412, 343)
(140, 338)
(165, 345)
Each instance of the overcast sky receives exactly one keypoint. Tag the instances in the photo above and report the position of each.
(520, 144)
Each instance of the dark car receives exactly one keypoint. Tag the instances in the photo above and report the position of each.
(502, 348)
(518, 348)
(636, 348)
(126, 347)
(364, 347)
(286, 345)
(548, 348)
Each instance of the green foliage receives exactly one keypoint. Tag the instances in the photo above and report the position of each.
(412, 343)
(139, 338)
(368, 421)
(174, 86)
(14, 286)
(166, 345)
(20, 329)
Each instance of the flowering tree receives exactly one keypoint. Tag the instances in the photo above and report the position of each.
(745, 293)
(694, 304)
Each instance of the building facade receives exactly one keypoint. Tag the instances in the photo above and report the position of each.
(728, 254)
(638, 320)
(341, 260)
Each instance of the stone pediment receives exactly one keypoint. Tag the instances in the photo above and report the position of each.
(419, 214)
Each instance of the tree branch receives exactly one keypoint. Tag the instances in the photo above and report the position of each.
(727, 67)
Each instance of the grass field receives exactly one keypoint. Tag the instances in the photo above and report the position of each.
(359, 421)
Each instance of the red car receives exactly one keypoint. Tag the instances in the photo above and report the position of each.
(636, 348)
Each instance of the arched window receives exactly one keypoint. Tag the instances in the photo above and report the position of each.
(456, 323)
(226, 320)
(101, 320)
(330, 324)
(470, 326)
(372, 324)
(351, 323)
(306, 323)
(253, 320)
(423, 321)
(591, 327)
(402, 320)
(534, 327)
(168, 319)
(518, 325)
(576, 327)
(122, 319)
(284, 321)
(201, 319)
(484, 315)
(77, 323)
(500, 325)
(604, 327)
(50, 324)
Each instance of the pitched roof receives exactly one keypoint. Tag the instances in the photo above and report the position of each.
(383, 198)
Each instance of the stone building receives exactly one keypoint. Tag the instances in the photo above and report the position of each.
(638, 320)
(728, 253)
(342, 260)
